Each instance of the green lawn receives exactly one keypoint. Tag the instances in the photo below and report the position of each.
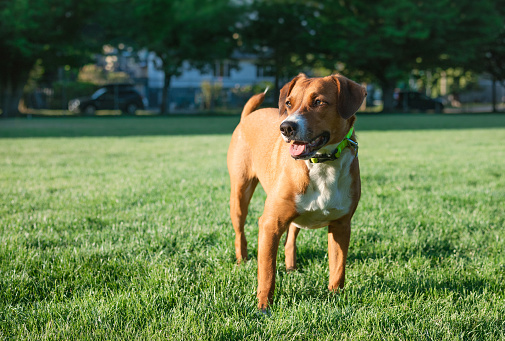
(118, 228)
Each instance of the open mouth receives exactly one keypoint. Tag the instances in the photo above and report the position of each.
(305, 150)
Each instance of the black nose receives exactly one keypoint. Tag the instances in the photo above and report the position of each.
(288, 128)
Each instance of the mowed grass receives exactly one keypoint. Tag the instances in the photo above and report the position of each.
(122, 232)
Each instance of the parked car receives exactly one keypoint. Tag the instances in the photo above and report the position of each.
(407, 100)
(110, 97)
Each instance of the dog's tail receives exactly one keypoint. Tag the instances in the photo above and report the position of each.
(253, 103)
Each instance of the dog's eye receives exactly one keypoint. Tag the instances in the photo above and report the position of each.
(318, 102)
(288, 104)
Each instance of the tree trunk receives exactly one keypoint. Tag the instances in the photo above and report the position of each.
(165, 98)
(11, 92)
(276, 88)
(388, 90)
(493, 93)
(278, 62)
(13, 77)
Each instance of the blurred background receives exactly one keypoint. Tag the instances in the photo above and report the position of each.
(155, 57)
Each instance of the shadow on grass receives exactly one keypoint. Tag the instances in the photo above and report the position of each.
(71, 126)
(118, 126)
(439, 278)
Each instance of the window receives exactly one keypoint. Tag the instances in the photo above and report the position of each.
(98, 93)
(222, 69)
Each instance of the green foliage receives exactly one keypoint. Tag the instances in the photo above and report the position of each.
(456, 81)
(211, 93)
(396, 36)
(94, 74)
(386, 39)
(35, 75)
(184, 30)
(194, 31)
(282, 39)
(56, 32)
(179, 31)
(130, 238)
(30, 30)
(380, 41)
(494, 53)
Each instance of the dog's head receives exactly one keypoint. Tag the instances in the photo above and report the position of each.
(320, 111)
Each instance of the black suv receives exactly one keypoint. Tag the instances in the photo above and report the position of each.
(110, 97)
(406, 100)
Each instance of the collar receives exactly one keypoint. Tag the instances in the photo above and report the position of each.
(346, 142)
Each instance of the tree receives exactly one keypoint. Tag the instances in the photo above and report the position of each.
(494, 63)
(494, 57)
(282, 35)
(386, 39)
(178, 31)
(494, 53)
(50, 31)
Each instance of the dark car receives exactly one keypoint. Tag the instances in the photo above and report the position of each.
(408, 100)
(110, 97)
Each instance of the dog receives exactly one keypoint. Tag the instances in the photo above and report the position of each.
(305, 156)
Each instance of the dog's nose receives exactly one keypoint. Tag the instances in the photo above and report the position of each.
(288, 128)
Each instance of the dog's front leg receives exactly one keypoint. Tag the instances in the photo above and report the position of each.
(272, 224)
(339, 234)
(268, 243)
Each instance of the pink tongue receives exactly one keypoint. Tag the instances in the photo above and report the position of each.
(297, 149)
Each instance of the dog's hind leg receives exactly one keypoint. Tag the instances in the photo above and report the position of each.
(290, 247)
(240, 196)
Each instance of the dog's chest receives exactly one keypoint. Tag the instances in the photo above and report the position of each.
(328, 195)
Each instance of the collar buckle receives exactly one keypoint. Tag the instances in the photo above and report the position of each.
(354, 145)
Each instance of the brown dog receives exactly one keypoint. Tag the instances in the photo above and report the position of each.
(305, 156)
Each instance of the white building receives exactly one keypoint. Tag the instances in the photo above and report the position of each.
(234, 77)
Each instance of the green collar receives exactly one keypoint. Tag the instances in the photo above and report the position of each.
(346, 142)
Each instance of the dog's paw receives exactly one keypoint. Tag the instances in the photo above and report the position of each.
(265, 312)
(291, 269)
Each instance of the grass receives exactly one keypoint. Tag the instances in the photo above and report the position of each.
(118, 228)
(122, 126)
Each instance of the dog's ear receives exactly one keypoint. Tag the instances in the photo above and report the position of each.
(285, 91)
(350, 96)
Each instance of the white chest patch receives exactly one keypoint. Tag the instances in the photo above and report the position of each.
(328, 195)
